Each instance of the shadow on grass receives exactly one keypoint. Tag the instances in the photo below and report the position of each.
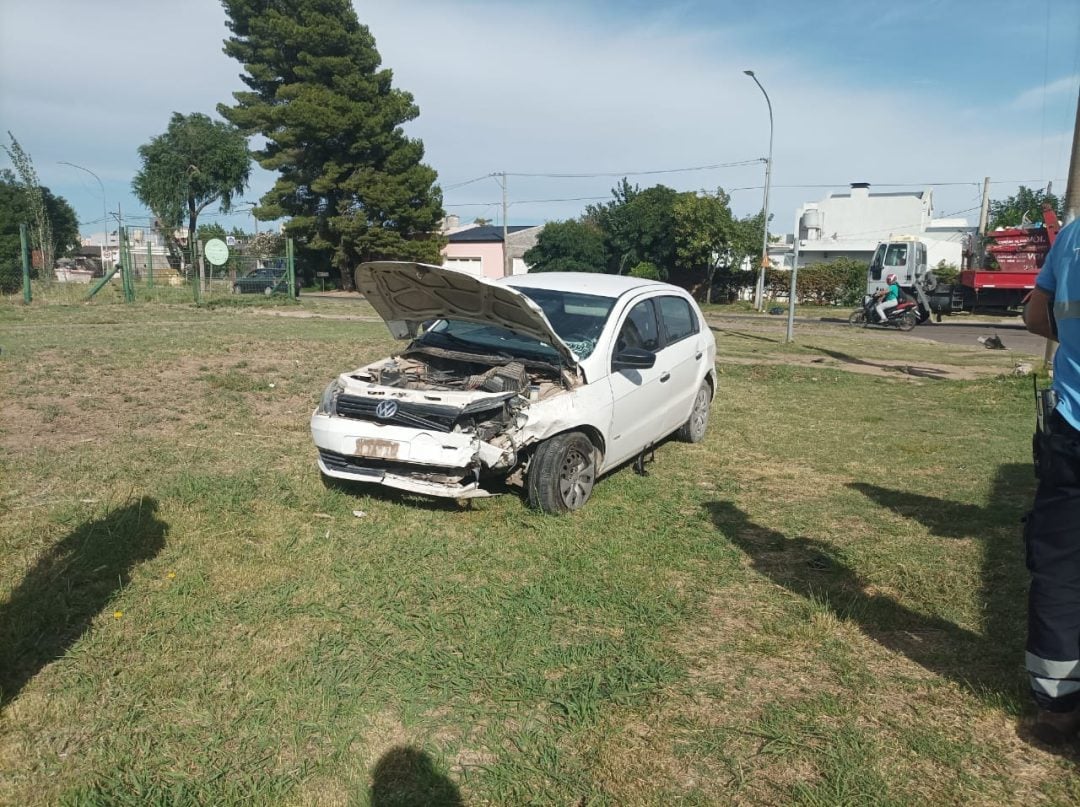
(406, 777)
(69, 585)
(989, 663)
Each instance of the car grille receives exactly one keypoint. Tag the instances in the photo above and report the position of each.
(415, 415)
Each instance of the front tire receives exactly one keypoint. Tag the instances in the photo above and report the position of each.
(268, 290)
(857, 319)
(562, 473)
(236, 288)
(693, 431)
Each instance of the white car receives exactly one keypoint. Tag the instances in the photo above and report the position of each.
(544, 380)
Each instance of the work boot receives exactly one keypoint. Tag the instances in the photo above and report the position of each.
(1056, 728)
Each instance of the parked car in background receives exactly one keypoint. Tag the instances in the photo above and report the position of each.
(543, 380)
(266, 281)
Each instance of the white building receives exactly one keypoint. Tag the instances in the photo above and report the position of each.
(851, 224)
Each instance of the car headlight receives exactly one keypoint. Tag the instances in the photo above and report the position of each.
(328, 402)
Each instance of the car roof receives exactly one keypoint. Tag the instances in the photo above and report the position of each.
(597, 283)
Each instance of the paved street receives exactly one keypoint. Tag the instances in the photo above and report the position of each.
(952, 331)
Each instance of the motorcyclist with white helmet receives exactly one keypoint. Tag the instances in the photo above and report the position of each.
(888, 297)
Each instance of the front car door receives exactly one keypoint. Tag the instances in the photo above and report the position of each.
(638, 396)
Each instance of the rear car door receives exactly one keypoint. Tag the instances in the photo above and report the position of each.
(638, 396)
(682, 358)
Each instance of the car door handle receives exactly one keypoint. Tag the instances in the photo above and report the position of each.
(698, 355)
(665, 377)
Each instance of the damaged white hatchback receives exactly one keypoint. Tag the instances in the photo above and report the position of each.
(542, 380)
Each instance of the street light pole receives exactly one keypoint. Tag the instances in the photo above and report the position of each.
(759, 292)
(104, 207)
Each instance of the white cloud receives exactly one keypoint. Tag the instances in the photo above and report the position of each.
(557, 87)
(1034, 97)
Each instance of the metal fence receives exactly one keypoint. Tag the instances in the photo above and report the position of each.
(144, 272)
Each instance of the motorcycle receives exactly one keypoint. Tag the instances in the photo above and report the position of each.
(904, 315)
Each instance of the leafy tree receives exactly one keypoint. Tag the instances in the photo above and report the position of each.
(639, 226)
(16, 209)
(41, 237)
(267, 245)
(1024, 207)
(211, 230)
(709, 238)
(568, 246)
(349, 180)
(481, 222)
(195, 163)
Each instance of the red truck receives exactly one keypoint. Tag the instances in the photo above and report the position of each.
(997, 273)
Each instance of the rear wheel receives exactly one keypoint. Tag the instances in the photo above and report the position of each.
(857, 319)
(236, 288)
(693, 431)
(562, 473)
(268, 290)
(907, 321)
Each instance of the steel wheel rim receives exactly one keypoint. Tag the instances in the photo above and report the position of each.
(576, 478)
(701, 413)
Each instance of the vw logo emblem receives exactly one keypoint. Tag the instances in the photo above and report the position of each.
(386, 410)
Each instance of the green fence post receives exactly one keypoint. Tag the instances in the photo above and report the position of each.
(26, 295)
(128, 268)
(194, 273)
(124, 263)
(291, 268)
(149, 266)
(131, 273)
(101, 283)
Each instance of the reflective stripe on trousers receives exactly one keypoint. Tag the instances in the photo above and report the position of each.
(1052, 539)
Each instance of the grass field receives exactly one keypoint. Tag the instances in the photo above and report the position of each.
(821, 604)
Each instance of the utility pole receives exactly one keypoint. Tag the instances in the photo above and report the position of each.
(1072, 187)
(759, 291)
(984, 209)
(119, 224)
(1072, 206)
(506, 245)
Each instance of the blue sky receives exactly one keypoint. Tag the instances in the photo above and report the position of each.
(890, 93)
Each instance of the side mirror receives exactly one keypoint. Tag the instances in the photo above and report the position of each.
(633, 358)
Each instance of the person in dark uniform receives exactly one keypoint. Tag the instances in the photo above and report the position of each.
(1052, 531)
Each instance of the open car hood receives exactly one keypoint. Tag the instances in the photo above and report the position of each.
(407, 294)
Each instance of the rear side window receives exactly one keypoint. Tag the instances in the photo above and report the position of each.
(678, 318)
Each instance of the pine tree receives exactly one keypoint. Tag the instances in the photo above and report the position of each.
(350, 182)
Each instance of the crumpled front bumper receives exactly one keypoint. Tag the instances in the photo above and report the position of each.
(433, 463)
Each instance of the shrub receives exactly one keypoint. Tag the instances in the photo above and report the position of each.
(646, 270)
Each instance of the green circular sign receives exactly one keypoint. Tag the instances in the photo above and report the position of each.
(216, 251)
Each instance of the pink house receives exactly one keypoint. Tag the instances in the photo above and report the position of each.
(478, 249)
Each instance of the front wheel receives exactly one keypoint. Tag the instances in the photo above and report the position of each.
(907, 321)
(268, 290)
(236, 288)
(693, 431)
(562, 473)
(857, 319)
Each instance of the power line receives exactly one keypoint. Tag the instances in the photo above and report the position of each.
(599, 174)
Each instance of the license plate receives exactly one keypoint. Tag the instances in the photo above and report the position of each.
(378, 449)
